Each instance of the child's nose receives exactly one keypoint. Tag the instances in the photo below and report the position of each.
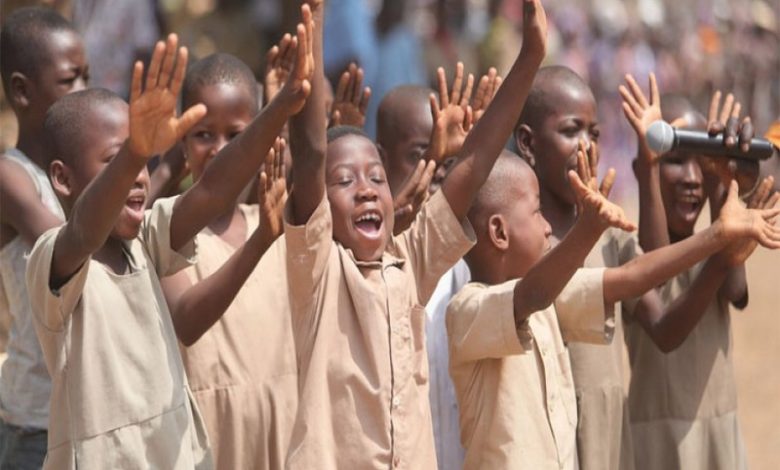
(79, 84)
(366, 191)
(220, 143)
(691, 172)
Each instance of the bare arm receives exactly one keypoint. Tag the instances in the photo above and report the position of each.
(547, 278)
(20, 206)
(308, 141)
(195, 308)
(233, 167)
(736, 224)
(153, 129)
(485, 141)
(640, 113)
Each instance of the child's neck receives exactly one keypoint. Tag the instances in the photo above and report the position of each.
(31, 143)
(558, 213)
(112, 255)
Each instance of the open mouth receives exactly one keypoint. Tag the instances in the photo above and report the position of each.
(369, 224)
(135, 205)
(689, 203)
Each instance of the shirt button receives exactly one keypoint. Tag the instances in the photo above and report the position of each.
(396, 402)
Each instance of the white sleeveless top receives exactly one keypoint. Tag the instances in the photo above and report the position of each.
(24, 381)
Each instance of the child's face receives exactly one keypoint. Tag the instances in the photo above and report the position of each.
(529, 232)
(403, 154)
(682, 193)
(104, 134)
(360, 200)
(572, 118)
(65, 71)
(230, 109)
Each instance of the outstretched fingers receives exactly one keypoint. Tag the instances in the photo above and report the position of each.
(606, 184)
(178, 74)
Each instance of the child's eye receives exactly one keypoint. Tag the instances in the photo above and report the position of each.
(594, 134)
(203, 135)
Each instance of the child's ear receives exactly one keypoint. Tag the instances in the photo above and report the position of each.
(19, 90)
(524, 140)
(497, 231)
(59, 174)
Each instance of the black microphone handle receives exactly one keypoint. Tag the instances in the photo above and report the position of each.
(702, 143)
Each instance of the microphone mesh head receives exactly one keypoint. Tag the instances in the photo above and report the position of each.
(660, 137)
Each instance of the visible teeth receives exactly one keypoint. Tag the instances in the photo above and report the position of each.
(370, 217)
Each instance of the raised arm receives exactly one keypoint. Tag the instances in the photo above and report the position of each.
(195, 308)
(233, 167)
(640, 113)
(651, 269)
(485, 141)
(547, 278)
(308, 140)
(669, 326)
(154, 128)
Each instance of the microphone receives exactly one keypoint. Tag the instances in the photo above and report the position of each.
(662, 138)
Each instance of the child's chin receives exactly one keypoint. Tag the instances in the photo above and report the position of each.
(126, 231)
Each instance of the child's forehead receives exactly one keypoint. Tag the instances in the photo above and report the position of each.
(225, 95)
(352, 150)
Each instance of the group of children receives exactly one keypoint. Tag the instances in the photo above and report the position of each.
(427, 300)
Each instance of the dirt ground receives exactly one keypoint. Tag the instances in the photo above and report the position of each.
(756, 348)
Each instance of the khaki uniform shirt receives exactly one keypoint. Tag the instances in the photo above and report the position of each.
(514, 385)
(603, 433)
(119, 395)
(684, 403)
(359, 330)
(242, 370)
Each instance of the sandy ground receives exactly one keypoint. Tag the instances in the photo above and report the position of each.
(756, 348)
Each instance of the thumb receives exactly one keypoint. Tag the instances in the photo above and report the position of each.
(190, 118)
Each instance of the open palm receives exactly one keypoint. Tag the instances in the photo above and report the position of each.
(154, 126)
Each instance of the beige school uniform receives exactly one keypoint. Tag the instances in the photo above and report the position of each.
(359, 329)
(684, 403)
(603, 432)
(242, 370)
(514, 385)
(119, 396)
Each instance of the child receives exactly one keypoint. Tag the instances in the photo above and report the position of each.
(248, 405)
(120, 398)
(405, 128)
(356, 293)
(507, 357)
(683, 404)
(41, 59)
(560, 112)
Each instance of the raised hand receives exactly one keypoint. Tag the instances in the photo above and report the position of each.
(738, 221)
(641, 112)
(351, 99)
(534, 28)
(592, 202)
(272, 192)
(486, 90)
(726, 120)
(412, 195)
(297, 86)
(452, 115)
(154, 126)
(763, 198)
(278, 64)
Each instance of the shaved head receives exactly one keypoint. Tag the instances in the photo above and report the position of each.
(548, 84)
(675, 106)
(217, 69)
(400, 109)
(508, 179)
(69, 118)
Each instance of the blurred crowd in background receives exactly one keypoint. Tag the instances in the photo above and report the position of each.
(694, 46)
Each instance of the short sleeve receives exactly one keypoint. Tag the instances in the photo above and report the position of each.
(308, 249)
(628, 249)
(582, 315)
(52, 308)
(156, 237)
(433, 244)
(481, 324)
